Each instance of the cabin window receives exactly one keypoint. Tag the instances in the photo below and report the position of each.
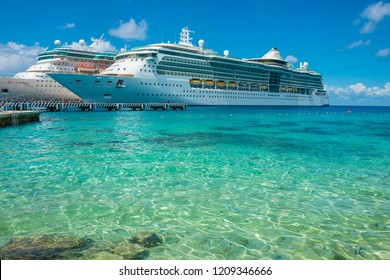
(4, 90)
(78, 81)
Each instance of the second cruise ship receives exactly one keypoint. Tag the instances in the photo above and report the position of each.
(198, 76)
(34, 84)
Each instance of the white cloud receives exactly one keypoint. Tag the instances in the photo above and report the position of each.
(368, 27)
(372, 15)
(358, 90)
(17, 57)
(130, 30)
(383, 53)
(291, 59)
(68, 25)
(376, 12)
(356, 21)
(98, 46)
(359, 44)
(103, 47)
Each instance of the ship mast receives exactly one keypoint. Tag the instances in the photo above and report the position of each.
(185, 36)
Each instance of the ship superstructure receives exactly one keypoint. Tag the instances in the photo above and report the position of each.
(198, 76)
(34, 84)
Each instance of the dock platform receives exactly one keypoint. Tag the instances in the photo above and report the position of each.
(8, 118)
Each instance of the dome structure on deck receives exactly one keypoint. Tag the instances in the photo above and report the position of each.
(272, 54)
(273, 57)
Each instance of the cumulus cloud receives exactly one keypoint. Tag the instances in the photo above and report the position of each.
(372, 15)
(16, 57)
(291, 59)
(130, 30)
(383, 53)
(368, 27)
(358, 90)
(96, 46)
(103, 47)
(376, 12)
(359, 44)
(68, 25)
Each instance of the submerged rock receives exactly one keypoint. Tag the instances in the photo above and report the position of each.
(42, 247)
(123, 250)
(146, 239)
(130, 251)
(97, 254)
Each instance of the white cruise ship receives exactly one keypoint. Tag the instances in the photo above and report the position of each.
(198, 76)
(34, 84)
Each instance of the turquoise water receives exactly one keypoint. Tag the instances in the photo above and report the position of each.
(213, 183)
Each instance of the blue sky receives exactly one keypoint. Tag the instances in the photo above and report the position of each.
(348, 42)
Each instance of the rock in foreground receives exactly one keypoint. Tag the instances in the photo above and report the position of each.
(146, 239)
(42, 247)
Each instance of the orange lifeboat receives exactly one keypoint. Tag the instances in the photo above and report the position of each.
(232, 85)
(85, 68)
(209, 84)
(221, 85)
(196, 83)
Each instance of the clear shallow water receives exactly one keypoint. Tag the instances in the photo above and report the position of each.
(213, 183)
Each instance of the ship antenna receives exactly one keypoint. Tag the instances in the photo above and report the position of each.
(185, 36)
(96, 42)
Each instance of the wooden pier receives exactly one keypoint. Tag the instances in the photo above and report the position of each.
(61, 106)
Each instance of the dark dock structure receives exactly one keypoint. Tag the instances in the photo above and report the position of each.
(61, 106)
(8, 118)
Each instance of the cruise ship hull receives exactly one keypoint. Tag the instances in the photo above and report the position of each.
(104, 88)
(33, 89)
